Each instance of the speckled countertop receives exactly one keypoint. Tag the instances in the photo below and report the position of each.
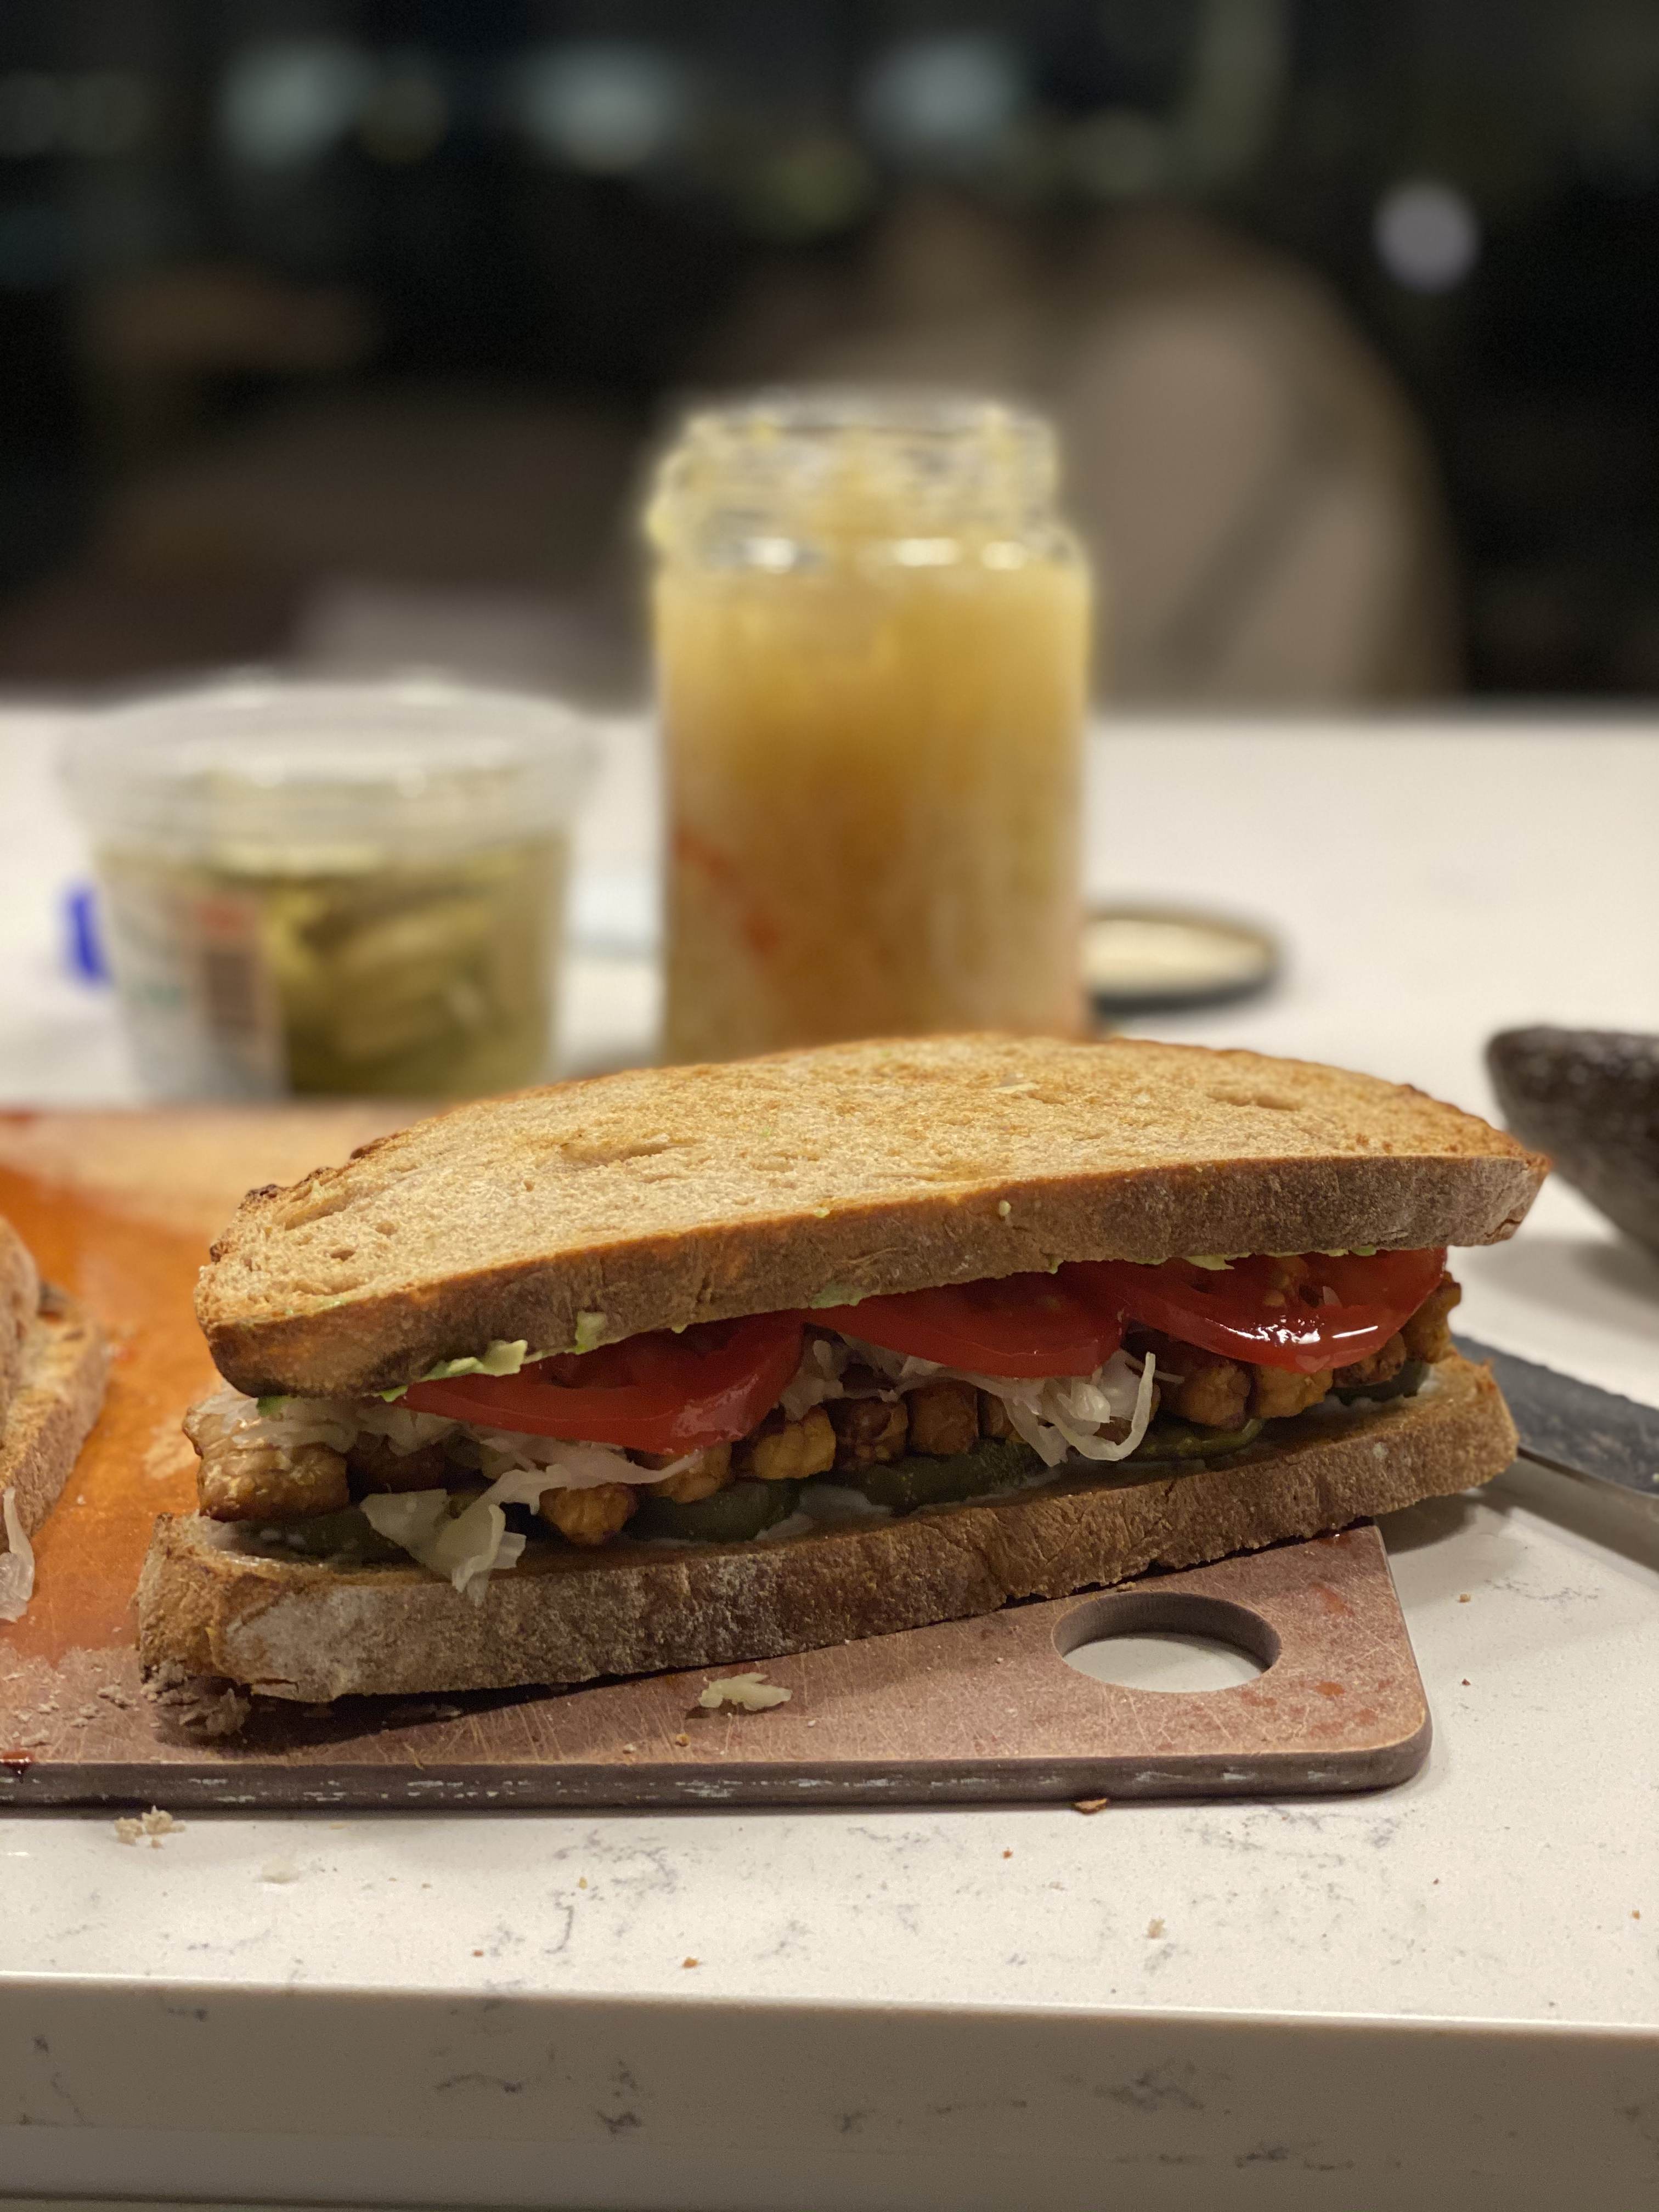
(1446, 1994)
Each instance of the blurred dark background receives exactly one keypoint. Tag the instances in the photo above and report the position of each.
(338, 329)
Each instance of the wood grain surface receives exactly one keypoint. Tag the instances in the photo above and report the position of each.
(120, 1208)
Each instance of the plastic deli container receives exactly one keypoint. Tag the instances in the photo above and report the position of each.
(333, 888)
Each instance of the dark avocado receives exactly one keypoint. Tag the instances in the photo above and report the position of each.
(1590, 1099)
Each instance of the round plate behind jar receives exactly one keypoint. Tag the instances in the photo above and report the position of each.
(1146, 960)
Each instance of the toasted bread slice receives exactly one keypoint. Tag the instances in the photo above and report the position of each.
(20, 1300)
(654, 1198)
(60, 1388)
(311, 1630)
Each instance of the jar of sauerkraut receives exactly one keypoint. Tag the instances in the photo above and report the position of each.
(872, 629)
(332, 887)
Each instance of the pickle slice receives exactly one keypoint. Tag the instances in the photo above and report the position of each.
(345, 1536)
(1178, 1443)
(1405, 1384)
(740, 1510)
(902, 1485)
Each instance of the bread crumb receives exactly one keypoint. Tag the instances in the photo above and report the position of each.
(1007, 1855)
(749, 1694)
(682, 1737)
(581, 1882)
(1463, 1597)
(1154, 1928)
(477, 1954)
(1466, 1683)
(1635, 1915)
(690, 1962)
(203, 1704)
(1089, 1804)
(1003, 1209)
(283, 1870)
(155, 1825)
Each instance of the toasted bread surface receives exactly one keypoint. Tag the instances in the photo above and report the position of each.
(20, 1300)
(665, 1196)
(309, 1630)
(60, 1389)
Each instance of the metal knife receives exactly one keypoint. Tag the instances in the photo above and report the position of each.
(1575, 1428)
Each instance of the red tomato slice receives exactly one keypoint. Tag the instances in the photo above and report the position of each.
(656, 1393)
(1307, 1313)
(1022, 1325)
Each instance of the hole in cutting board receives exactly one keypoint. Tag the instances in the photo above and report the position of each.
(1173, 1642)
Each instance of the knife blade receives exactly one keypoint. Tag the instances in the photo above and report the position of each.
(1575, 1427)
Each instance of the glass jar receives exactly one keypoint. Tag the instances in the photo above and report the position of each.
(871, 631)
(332, 887)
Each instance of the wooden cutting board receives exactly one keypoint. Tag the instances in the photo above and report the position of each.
(120, 1208)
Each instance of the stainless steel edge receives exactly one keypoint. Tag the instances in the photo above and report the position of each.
(1575, 1427)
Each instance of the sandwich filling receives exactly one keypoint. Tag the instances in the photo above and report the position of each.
(760, 1429)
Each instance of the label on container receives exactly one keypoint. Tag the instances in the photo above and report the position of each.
(202, 1009)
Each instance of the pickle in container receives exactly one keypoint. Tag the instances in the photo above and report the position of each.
(333, 888)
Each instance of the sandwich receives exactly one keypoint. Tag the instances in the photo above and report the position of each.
(53, 1362)
(688, 1366)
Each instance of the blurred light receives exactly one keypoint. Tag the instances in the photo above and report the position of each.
(405, 117)
(289, 102)
(809, 189)
(1427, 235)
(943, 99)
(107, 113)
(1121, 154)
(31, 114)
(1241, 58)
(604, 105)
(35, 245)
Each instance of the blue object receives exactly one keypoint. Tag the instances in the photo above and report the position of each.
(83, 944)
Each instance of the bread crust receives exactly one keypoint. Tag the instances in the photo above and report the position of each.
(663, 1197)
(303, 1629)
(60, 1391)
(20, 1302)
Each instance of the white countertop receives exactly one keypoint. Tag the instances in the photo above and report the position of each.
(1435, 882)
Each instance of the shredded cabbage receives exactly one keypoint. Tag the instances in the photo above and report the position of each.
(466, 1547)
(1055, 1413)
(476, 1542)
(818, 1379)
(339, 1423)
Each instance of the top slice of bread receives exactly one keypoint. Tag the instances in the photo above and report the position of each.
(665, 1196)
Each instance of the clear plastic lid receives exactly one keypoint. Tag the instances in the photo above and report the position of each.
(261, 773)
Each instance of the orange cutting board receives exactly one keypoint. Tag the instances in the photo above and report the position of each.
(120, 1208)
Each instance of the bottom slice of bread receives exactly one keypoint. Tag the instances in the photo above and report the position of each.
(60, 1392)
(301, 1628)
